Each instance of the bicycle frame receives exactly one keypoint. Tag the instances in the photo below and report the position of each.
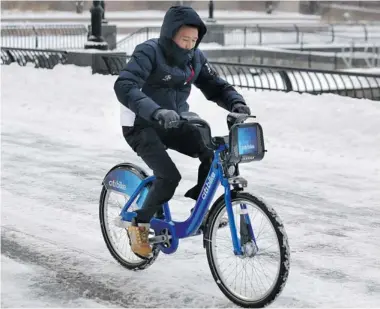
(191, 225)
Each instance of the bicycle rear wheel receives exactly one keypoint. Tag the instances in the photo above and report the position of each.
(244, 279)
(116, 238)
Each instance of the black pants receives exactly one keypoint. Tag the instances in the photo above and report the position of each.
(150, 143)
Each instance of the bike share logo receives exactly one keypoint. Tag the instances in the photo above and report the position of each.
(117, 184)
(209, 181)
(248, 147)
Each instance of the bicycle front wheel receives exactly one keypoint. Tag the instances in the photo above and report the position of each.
(255, 278)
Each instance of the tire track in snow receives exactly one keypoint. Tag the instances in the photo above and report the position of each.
(67, 278)
(75, 274)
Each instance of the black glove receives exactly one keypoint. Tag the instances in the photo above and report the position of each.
(241, 108)
(166, 117)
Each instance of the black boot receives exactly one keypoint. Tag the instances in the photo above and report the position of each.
(160, 192)
(204, 168)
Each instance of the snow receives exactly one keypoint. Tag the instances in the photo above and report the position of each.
(375, 71)
(36, 286)
(61, 134)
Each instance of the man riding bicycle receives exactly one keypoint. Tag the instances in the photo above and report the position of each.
(153, 89)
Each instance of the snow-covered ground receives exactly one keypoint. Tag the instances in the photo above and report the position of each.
(375, 71)
(60, 134)
(35, 286)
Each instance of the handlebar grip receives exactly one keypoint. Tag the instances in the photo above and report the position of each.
(171, 124)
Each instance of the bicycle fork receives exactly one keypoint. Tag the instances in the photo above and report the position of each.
(247, 236)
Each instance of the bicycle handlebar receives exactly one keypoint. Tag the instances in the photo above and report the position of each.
(193, 118)
(187, 117)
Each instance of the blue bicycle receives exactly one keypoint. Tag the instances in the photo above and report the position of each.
(253, 238)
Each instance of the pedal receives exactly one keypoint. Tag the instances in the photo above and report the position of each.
(159, 239)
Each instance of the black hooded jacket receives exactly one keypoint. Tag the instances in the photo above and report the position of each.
(159, 74)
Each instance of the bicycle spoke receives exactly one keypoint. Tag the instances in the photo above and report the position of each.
(248, 277)
(118, 236)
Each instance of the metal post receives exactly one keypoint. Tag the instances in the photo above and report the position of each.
(211, 9)
(102, 4)
(79, 5)
(211, 12)
(95, 39)
(269, 7)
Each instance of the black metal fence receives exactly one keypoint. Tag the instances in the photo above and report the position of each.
(46, 58)
(256, 77)
(74, 36)
(261, 77)
(286, 79)
(308, 59)
(363, 4)
(115, 64)
(54, 36)
(263, 35)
